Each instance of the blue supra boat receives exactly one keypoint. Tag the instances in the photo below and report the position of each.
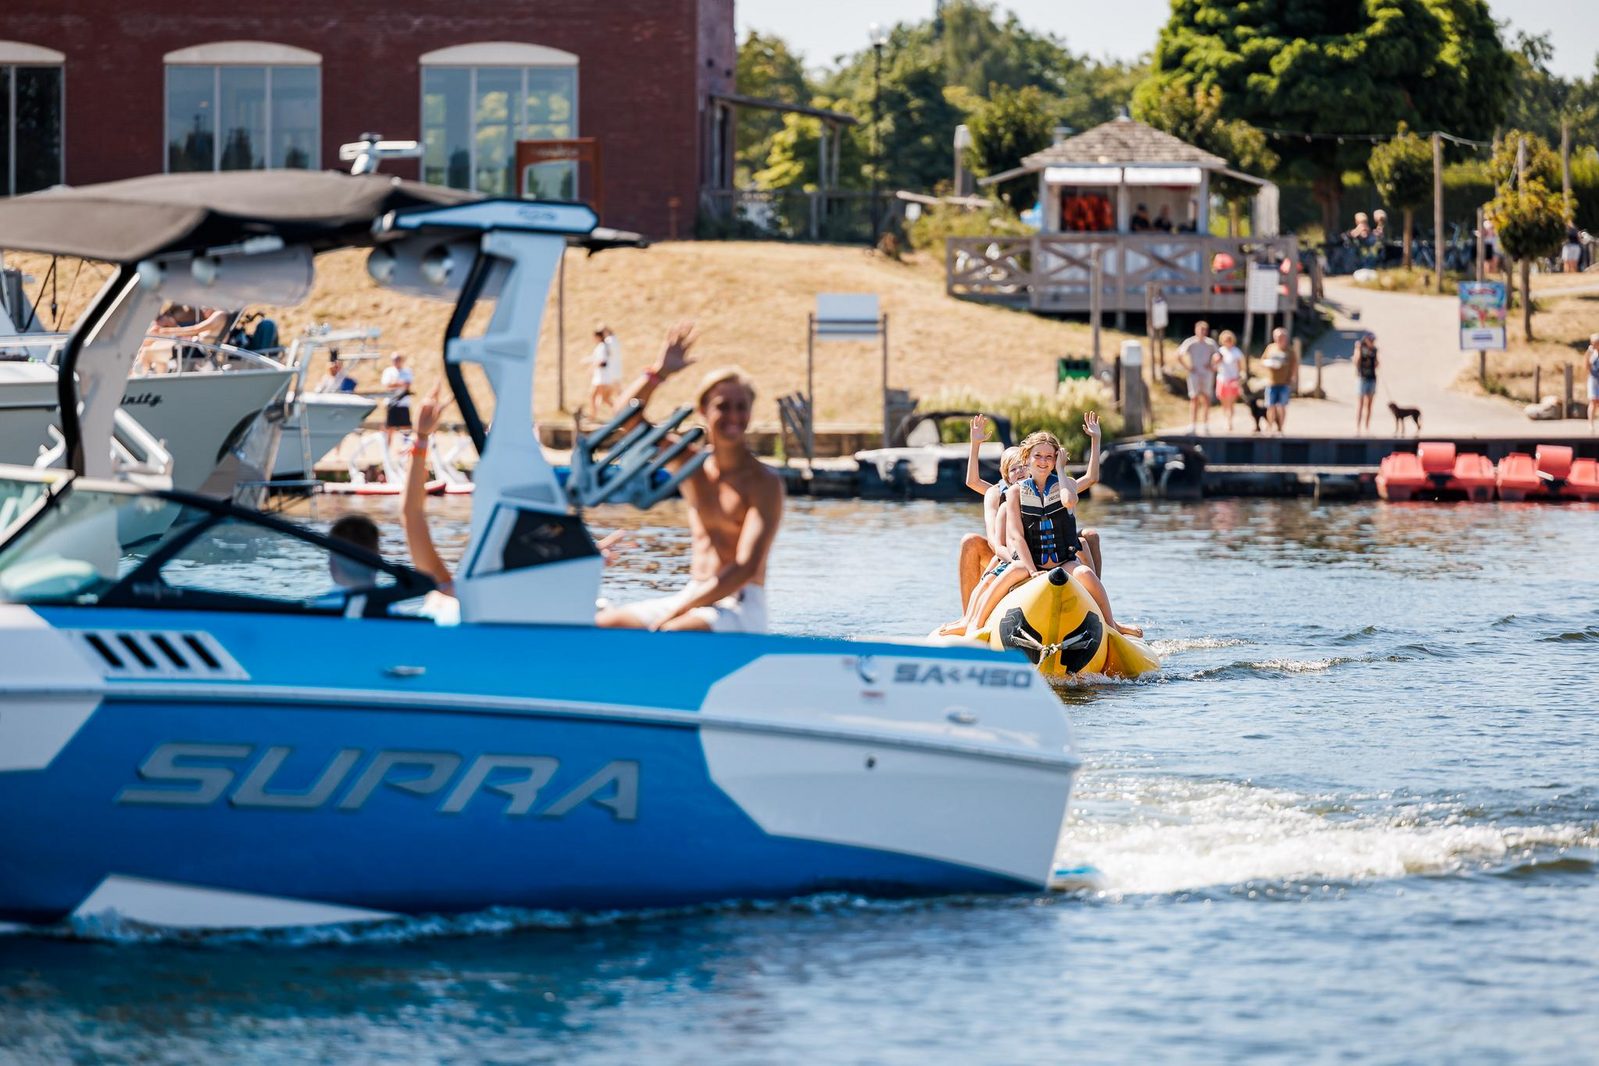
(162, 759)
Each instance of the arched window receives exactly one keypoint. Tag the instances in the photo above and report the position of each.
(243, 105)
(478, 100)
(31, 113)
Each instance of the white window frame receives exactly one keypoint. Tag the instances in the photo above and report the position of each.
(14, 54)
(514, 54)
(264, 54)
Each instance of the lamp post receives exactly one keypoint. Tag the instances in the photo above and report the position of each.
(879, 39)
(963, 144)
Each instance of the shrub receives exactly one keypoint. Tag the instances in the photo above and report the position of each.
(939, 221)
(1060, 412)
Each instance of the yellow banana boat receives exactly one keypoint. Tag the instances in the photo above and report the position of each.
(1053, 620)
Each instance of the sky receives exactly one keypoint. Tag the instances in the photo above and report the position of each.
(822, 29)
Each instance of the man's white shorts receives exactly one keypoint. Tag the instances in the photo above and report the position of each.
(742, 612)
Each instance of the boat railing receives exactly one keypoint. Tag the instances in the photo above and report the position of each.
(189, 357)
(32, 347)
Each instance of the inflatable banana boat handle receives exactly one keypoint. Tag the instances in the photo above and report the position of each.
(1053, 620)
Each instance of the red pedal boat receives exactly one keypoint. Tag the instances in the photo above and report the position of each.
(1435, 472)
(1553, 474)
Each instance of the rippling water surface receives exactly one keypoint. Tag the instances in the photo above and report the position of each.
(1356, 818)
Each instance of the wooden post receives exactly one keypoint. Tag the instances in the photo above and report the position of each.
(1249, 326)
(560, 334)
(1570, 396)
(1299, 362)
(1320, 394)
(1095, 295)
(1537, 384)
(1482, 367)
(1479, 243)
(1438, 208)
(810, 388)
(887, 429)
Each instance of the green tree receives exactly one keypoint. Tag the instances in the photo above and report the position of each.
(1531, 222)
(1543, 101)
(1338, 68)
(1196, 116)
(767, 70)
(1536, 160)
(1401, 169)
(1009, 125)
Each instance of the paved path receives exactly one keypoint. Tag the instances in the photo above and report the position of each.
(1418, 360)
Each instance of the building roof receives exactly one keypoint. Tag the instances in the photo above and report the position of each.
(1123, 142)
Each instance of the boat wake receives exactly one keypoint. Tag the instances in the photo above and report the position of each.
(1158, 836)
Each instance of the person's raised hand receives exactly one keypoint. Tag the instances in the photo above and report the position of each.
(674, 357)
(979, 429)
(1091, 425)
(430, 413)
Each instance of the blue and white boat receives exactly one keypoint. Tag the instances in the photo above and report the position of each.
(161, 758)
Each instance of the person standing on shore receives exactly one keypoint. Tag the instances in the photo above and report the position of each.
(1281, 366)
(397, 380)
(1591, 357)
(1366, 379)
(1197, 355)
(1229, 374)
(607, 361)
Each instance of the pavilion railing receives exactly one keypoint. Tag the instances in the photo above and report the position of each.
(1054, 272)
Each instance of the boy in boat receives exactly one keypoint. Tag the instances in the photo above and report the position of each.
(734, 506)
(1041, 515)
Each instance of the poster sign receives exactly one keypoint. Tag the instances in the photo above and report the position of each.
(1482, 316)
(1158, 315)
(1261, 290)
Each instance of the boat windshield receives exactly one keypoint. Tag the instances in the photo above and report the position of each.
(116, 548)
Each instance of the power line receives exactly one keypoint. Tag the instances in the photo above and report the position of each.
(1370, 138)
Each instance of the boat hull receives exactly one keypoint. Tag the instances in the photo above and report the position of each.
(330, 418)
(681, 769)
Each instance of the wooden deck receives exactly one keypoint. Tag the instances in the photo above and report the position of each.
(1054, 272)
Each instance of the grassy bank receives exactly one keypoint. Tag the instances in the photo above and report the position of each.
(749, 300)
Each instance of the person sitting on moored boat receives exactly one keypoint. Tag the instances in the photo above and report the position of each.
(1041, 515)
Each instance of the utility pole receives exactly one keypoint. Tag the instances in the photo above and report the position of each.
(1565, 158)
(878, 41)
(1438, 207)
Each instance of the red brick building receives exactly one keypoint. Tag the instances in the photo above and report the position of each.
(94, 90)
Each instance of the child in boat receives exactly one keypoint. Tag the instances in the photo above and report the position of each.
(1041, 520)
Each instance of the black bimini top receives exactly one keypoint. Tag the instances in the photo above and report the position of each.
(126, 221)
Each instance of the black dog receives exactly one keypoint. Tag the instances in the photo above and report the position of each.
(1256, 402)
(1402, 413)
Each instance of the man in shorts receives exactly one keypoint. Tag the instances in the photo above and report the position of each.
(397, 380)
(1197, 355)
(734, 506)
(1280, 365)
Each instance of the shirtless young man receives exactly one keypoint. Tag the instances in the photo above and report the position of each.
(735, 504)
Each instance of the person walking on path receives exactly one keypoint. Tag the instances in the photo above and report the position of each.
(1229, 374)
(607, 362)
(1280, 365)
(1366, 377)
(1592, 358)
(1197, 355)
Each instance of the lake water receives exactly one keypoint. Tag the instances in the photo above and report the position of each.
(1356, 818)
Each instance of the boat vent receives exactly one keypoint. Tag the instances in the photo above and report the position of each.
(161, 653)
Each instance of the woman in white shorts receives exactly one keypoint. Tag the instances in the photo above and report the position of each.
(607, 361)
(1229, 373)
